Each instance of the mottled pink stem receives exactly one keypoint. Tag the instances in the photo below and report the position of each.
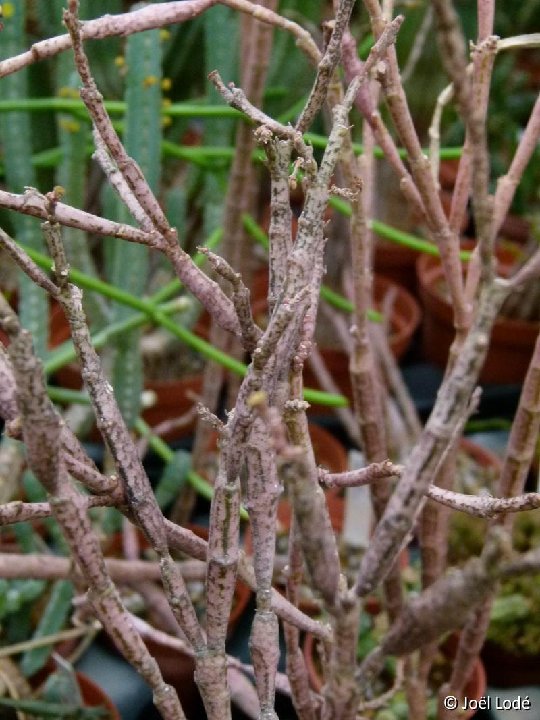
(42, 428)
(109, 26)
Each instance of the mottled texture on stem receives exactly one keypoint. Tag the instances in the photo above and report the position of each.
(484, 507)
(327, 65)
(341, 691)
(208, 292)
(8, 399)
(263, 490)
(327, 383)
(11, 469)
(453, 52)
(470, 643)
(278, 153)
(368, 391)
(205, 290)
(296, 664)
(35, 204)
(88, 475)
(42, 429)
(425, 458)
(433, 532)
(138, 20)
(236, 98)
(298, 471)
(50, 567)
(507, 184)
(364, 476)
(111, 425)
(140, 498)
(250, 332)
(264, 649)
(303, 38)
(118, 182)
(222, 561)
(446, 604)
(29, 267)
(518, 457)
(366, 106)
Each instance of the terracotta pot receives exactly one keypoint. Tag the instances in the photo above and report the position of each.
(513, 228)
(448, 170)
(174, 398)
(404, 320)
(505, 669)
(475, 687)
(94, 696)
(178, 670)
(516, 229)
(483, 457)
(512, 341)
(397, 263)
(58, 327)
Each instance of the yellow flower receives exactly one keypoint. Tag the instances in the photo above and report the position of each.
(7, 10)
(71, 126)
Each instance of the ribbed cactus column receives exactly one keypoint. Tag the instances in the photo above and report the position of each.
(73, 135)
(129, 262)
(16, 139)
(221, 35)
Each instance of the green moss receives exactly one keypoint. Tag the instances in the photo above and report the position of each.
(515, 616)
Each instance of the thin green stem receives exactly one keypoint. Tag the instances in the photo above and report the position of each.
(65, 353)
(199, 110)
(156, 315)
(205, 155)
(320, 142)
(114, 107)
